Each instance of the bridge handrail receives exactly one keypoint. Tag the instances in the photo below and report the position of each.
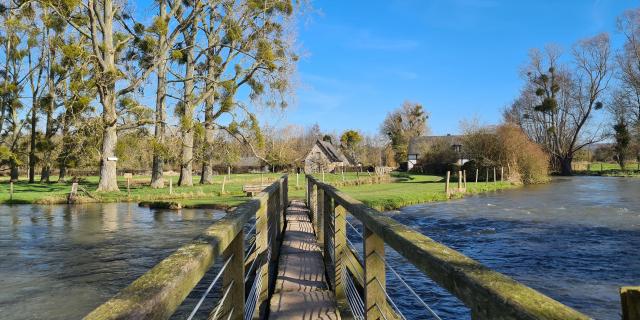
(489, 294)
(160, 291)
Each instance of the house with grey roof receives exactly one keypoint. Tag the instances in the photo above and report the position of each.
(324, 157)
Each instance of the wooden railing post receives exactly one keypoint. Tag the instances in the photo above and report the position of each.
(630, 299)
(234, 276)
(313, 200)
(339, 252)
(328, 234)
(262, 248)
(319, 216)
(374, 275)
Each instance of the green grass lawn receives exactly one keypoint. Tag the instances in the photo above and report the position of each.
(414, 190)
(408, 190)
(606, 169)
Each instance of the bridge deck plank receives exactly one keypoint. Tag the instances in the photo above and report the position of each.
(301, 291)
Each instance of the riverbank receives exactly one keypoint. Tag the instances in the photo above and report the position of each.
(414, 189)
(606, 169)
(383, 194)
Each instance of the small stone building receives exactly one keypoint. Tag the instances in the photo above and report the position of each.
(323, 156)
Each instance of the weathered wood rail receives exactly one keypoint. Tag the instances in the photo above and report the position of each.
(489, 294)
(159, 292)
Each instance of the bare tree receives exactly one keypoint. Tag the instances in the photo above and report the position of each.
(558, 101)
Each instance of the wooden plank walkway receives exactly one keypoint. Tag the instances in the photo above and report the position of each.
(301, 291)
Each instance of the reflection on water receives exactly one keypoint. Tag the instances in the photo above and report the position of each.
(60, 262)
(575, 240)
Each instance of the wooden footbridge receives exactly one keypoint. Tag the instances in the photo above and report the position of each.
(276, 259)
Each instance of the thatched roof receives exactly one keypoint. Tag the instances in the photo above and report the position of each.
(333, 154)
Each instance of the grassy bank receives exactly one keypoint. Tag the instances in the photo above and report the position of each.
(405, 190)
(412, 189)
(606, 169)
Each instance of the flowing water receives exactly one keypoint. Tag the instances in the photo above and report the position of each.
(576, 240)
(60, 262)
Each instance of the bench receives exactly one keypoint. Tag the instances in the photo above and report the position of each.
(252, 190)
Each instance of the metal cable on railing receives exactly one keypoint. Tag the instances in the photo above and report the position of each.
(354, 299)
(256, 287)
(204, 295)
(424, 304)
(390, 300)
(222, 300)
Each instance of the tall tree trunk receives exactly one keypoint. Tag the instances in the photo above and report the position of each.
(157, 168)
(207, 163)
(45, 175)
(565, 165)
(62, 157)
(108, 173)
(32, 142)
(186, 163)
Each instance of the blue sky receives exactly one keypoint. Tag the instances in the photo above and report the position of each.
(459, 58)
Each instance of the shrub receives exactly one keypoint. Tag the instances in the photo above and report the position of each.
(505, 146)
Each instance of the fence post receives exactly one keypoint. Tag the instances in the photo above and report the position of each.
(339, 252)
(374, 276)
(234, 276)
(459, 180)
(501, 174)
(319, 217)
(477, 171)
(494, 175)
(464, 178)
(630, 300)
(446, 183)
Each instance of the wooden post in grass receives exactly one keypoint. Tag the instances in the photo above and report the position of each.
(128, 176)
(11, 190)
(446, 183)
(459, 180)
(297, 179)
(630, 300)
(477, 171)
(323, 175)
(224, 181)
(170, 185)
(464, 179)
(501, 174)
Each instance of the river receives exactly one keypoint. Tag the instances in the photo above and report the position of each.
(576, 240)
(60, 262)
